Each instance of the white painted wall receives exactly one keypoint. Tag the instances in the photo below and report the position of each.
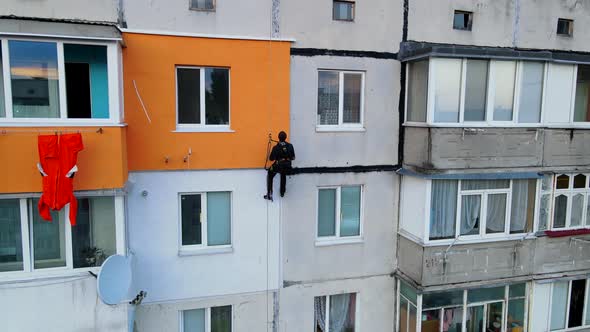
(559, 93)
(232, 17)
(154, 224)
(377, 25)
(88, 10)
(539, 310)
(376, 303)
(377, 145)
(249, 312)
(58, 305)
(413, 214)
(375, 255)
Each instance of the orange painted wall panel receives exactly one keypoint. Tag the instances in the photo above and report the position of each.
(259, 101)
(102, 163)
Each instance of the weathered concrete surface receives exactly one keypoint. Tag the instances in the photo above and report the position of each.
(85, 10)
(458, 148)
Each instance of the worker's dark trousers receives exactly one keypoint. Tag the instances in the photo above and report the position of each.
(272, 171)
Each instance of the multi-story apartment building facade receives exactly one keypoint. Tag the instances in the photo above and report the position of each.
(494, 195)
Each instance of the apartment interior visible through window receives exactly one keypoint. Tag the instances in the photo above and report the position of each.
(343, 10)
(565, 27)
(462, 20)
(335, 313)
(205, 5)
(340, 98)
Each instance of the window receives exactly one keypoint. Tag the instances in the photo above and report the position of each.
(481, 208)
(215, 319)
(202, 97)
(582, 102)
(335, 313)
(343, 11)
(417, 91)
(462, 20)
(203, 5)
(339, 212)
(340, 98)
(206, 219)
(565, 27)
(407, 308)
(483, 309)
(569, 303)
(37, 71)
(564, 201)
(56, 244)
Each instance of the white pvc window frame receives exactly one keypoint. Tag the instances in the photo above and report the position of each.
(29, 271)
(202, 126)
(569, 193)
(356, 309)
(337, 238)
(341, 126)
(114, 93)
(585, 313)
(204, 221)
(207, 317)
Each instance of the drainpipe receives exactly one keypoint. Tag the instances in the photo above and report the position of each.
(445, 255)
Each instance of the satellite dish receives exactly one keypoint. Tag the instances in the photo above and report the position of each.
(114, 279)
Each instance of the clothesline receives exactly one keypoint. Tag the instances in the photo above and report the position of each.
(56, 131)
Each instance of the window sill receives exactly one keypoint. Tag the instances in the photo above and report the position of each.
(515, 237)
(338, 241)
(183, 252)
(338, 129)
(203, 129)
(17, 277)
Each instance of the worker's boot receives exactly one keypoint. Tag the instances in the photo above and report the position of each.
(268, 196)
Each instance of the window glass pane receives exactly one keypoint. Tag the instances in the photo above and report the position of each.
(441, 299)
(221, 319)
(577, 301)
(409, 292)
(475, 90)
(560, 212)
(218, 218)
(587, 321)
(517, 290)
(453, 319)
(351, 211)
(320, 313)
(547, 182)
(580, 181)
(515, 315)
(447, 90)
(189, 95)
(193, 320)
(582, 103)
(558, 305)
(504, 73)
(443, 209)
(474, 321)
(588, 211)
(342, 313)
(413, 319)
(33, 70)
(328, 97)
(485, 294)
(495, 315)
(484, 184)
(417, 91)
(216, 96)
(87, 86)
(202, 4)
(11, 250)
(470, 214)
(431, 320)
(577, 210)
(2, 111)
(327, 212)
(49, 239)
(343, 10)
(544, 211)
(531, 92)
(403, 315)
(496, 213)
(352, 98)
(93, 236)
(563, 182)
(190, 206)
(523, 205)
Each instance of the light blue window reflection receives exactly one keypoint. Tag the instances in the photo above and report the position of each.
(351, 211)
(218, 218)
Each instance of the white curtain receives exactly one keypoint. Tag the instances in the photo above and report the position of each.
(496, 213)
(519, 209)
(320, 312)
(339, 305)
(443, 209)
(470, 214)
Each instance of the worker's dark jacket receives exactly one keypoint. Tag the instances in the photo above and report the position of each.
(282, 154)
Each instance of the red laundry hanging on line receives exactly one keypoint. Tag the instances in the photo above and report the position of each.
(57, 164)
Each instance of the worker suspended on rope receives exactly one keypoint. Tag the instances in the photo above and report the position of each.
(282, 154)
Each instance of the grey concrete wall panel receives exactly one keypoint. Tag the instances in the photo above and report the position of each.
(377, 25)
(252, 18)
(83, 10)
(410, 257)
(377, 145)
(29, 27)
(481, 148)
(561, 254)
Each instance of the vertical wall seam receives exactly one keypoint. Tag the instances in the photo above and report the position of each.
(516, 27)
